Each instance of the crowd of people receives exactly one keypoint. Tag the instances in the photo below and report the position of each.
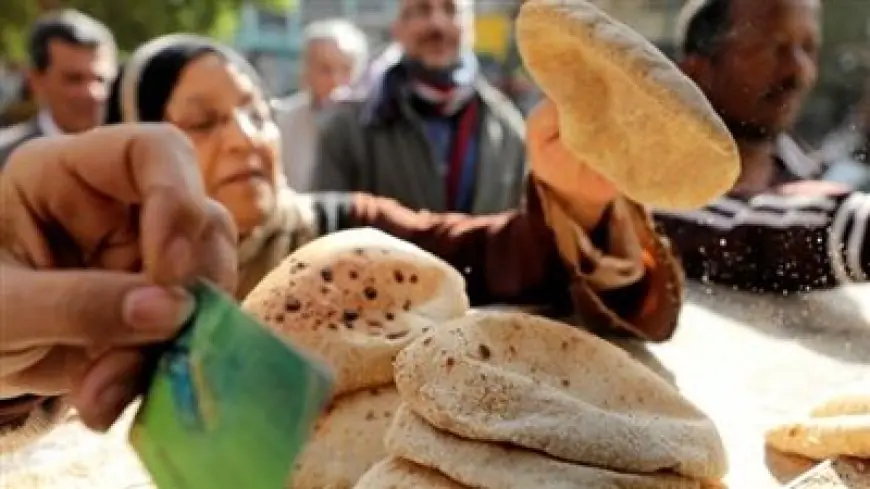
(197, 172)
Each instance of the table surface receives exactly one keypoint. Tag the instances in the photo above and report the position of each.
(747, 361)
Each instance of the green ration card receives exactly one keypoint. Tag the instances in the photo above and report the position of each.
(230, 405)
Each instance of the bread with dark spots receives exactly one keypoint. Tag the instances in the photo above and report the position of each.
(524, 380)
(355, 298)
(494, 465)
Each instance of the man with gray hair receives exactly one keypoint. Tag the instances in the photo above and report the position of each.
(431, 133)
(334, 55)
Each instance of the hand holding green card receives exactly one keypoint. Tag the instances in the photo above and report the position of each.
(230, 404)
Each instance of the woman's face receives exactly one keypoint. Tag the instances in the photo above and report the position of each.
(236, 140)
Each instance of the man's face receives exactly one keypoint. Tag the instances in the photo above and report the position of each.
(433, 31)
(75, 85)
(327, 67)
(764, 68)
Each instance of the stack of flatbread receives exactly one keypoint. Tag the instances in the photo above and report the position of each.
(500, 400)
(355, 299)
(837, 427)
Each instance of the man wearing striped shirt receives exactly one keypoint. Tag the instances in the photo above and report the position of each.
(779, 229)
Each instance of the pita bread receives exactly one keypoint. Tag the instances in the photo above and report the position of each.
(347, 441)
(823, 438)
(542, 385)
(494, 466)
(624, 108)
(843, 405)
(394, 473)
(355, 298)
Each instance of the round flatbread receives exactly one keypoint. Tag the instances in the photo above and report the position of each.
(394, 473)
(542, 385)
(347, 441)
(496, 466)
(843, 405)
(624, 108)
(355, 298)
(823, 438)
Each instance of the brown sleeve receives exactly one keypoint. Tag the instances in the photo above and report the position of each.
(507, 257)
(513, 258)
(650, 307)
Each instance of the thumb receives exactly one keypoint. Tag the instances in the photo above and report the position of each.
(87, 308)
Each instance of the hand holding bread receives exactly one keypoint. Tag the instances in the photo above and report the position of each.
(528, 402)
(554, 166)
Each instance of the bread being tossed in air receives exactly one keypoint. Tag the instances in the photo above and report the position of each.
(625, 109)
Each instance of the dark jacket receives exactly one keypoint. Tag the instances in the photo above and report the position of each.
(773, 242)
(378, 145)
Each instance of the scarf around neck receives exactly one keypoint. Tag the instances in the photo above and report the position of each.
(447, 90)
(447, 100)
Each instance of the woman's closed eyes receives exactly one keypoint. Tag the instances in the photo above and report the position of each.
(250, 117)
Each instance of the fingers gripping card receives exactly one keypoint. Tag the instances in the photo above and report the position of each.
(230, 405)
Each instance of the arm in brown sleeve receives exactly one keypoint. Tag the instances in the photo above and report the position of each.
(507, 257)
(512, 257)
(649, 307)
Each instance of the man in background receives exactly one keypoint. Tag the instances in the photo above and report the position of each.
(334, 54)
(780, 228)
(847, 147)
(432, 133)
(72, 64)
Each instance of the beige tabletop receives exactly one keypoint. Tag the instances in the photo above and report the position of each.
(747, 361)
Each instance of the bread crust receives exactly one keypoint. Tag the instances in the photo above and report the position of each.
(347, 441)
(823, 438)
(625, 109)
(395, 473)
(354, 299)
(528, 381)
(492, 465)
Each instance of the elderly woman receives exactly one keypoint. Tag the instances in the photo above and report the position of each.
(576, 246)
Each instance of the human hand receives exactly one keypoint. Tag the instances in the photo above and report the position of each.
(582, 190)
(99, 232)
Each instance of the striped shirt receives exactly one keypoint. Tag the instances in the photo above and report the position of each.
(774, 242)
